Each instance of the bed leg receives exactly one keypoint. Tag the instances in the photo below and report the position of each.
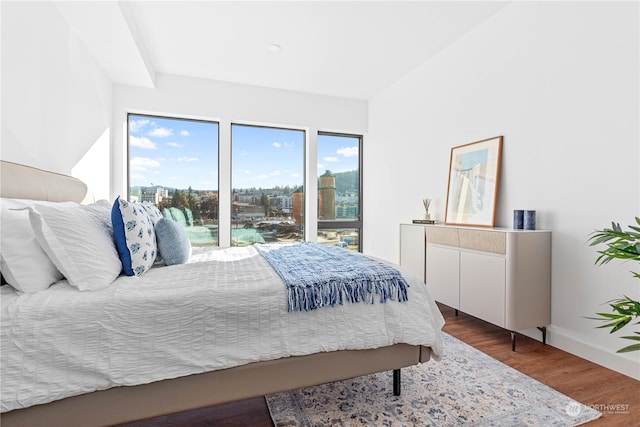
(396, 382)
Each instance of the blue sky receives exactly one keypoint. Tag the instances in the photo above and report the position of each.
(182, 153)
(173, 153)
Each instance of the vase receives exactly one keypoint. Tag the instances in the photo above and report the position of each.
(518, 219)
(529, 220)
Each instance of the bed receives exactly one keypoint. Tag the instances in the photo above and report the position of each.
(311, 347)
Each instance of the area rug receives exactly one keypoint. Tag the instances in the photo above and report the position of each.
(465, 388)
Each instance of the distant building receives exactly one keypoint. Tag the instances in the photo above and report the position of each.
(283, 203)
(349, 211)
(247, 211)
(327, 196)
(298, 206)
(153, 194)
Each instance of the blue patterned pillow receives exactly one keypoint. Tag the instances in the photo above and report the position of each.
(153, 211)
(173, 243)
(134, 236)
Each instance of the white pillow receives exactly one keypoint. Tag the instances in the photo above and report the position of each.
(79, 241)
(134, 236)
(23, 263)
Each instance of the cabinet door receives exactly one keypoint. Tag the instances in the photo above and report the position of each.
(482, 286)
(412, 240)
(443, 274)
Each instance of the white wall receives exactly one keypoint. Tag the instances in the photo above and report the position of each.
(228, 103)
(56, 102)
(560, 82)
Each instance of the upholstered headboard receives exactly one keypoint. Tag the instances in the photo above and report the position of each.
(26, 182)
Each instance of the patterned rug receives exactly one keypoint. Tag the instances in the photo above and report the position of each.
(466, 388)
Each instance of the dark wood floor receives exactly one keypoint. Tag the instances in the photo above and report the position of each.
(584, 381)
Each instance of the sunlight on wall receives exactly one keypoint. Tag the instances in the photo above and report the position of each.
(94, 168)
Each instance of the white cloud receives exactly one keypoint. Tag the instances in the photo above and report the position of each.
(142, 142)
(184, 133)
(348, 151)
(174, 145)
(331, 159)
(143, 164)
(161, 132)
(187, 159)
(294, 175)
(136, 125)
(320, 166)
(264, 176)
(284, 144)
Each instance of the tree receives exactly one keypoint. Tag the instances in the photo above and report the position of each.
(264, 201)
(191, 202)
(179, 200)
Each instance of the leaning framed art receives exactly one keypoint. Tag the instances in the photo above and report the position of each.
(474, 175)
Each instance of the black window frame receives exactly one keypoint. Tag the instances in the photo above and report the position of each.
(356, 223)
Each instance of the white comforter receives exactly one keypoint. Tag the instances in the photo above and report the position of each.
(180, 320)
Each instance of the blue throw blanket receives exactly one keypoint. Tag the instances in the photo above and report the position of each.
(318, 275)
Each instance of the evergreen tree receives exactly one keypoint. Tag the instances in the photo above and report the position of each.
(179, 200)
(191, 203)
(264, 201)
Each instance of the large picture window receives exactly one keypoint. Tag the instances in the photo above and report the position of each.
(173, 163)
(339, 190)
(267, 181)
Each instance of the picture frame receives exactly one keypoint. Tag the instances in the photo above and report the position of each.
(474, 177)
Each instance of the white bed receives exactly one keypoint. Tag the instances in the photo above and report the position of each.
(186, 336)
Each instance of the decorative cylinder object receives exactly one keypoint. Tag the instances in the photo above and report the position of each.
(529, 220)
(518, 219)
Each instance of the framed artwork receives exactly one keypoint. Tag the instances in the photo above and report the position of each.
(474, 175)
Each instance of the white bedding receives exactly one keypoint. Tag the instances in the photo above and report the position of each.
(227, 307)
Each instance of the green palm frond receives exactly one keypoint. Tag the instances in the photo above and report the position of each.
(624, 245)
(632, 347)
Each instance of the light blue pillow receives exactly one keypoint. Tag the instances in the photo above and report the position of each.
(173, 243)
(134, 236)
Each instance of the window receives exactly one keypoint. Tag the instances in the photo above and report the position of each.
(173, 163)
(339, 190)
(267, 181)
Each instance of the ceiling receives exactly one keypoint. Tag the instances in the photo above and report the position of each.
(350, 49)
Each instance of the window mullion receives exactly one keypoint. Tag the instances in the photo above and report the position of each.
(311, 186)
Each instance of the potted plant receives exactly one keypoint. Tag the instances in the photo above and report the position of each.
(624, 245)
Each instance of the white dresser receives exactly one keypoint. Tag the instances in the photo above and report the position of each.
(499, 275)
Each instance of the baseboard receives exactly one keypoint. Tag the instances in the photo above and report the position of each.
(627, 364)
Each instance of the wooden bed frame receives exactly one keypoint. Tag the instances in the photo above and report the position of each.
(125, 404)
